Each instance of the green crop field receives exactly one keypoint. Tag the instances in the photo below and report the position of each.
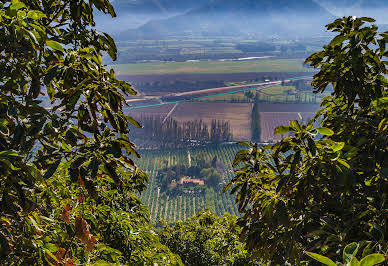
(265, 65)
(277, 94)
(182, 207)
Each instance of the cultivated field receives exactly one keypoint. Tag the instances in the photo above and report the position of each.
(237, 114)
(182, 207)
(265, 65)
(161, 110)
(270, 120)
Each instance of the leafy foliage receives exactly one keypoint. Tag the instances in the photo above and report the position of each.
(349, 257)
(68, 183)
(323, 187)
(206, 239)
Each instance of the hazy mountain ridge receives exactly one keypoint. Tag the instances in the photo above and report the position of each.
(248, 18)
(377, 9)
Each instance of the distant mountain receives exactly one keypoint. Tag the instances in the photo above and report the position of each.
(134, 13)
(239, 18)
(377, 9)
(157, 6)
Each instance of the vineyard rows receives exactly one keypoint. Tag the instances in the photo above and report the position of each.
(184, 206)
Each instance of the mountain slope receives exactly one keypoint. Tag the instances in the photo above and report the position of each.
(377, 9)
(134, 13)
(242, 18)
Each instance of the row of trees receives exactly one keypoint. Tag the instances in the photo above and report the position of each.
(171, 131)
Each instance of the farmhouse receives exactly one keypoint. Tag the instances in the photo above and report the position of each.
(186, 181)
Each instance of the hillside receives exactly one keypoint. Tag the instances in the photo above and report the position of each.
(134, 13)
(371, 8)
(246, 18)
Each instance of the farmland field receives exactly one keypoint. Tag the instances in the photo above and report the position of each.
(237, 114)
(270, 120)
(274, 65)
(182, 207)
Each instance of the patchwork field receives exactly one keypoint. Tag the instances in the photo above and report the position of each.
(264, 65)
(237, 114)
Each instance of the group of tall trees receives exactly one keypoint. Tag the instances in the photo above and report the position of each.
(69, 186)
(170, 131)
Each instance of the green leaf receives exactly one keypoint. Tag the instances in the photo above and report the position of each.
(343, 163)
(338, 146)
(325, 131)
(52, 169)
(51, 247)
(282, 130)
(16, 5)
(55, 45)
(322, 259)
(36, 15)
(354, 262)
(134, 122)
(338, 40)
(367, 19)
(349, 252)
(372, 259)
(101, 263)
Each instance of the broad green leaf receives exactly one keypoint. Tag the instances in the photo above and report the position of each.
(16, 5)
(349, 252)
(134, 122)
(325, 131)
(55, 45)
(51, 247)
(338, 146)
(372, 259)
(354, 262)
(280, 130)
(36, 15)
(322, 259)
(338, 40)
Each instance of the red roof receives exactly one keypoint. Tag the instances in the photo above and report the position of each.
(193, 181)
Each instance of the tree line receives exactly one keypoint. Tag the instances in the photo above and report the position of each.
(170, 131)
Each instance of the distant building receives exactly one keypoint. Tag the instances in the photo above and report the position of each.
(186, 181)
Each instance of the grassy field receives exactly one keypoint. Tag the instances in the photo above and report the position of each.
(274, 65)
(278, 94)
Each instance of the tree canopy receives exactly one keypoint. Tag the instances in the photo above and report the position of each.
(206, 239)
(325, 185)
(68, 183)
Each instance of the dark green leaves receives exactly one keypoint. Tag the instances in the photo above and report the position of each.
(51, 170)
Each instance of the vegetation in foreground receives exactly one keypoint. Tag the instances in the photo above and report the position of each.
(68, 183)
(324, 187)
